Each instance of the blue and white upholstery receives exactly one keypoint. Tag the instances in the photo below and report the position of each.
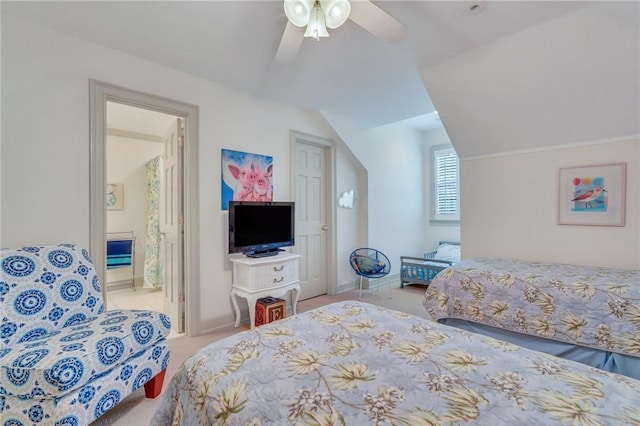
(63, 359)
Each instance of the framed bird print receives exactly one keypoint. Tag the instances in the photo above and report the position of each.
(593, 195)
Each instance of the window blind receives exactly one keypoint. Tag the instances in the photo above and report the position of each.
(445, 176)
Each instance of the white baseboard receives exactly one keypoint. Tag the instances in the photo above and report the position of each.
(388, 281)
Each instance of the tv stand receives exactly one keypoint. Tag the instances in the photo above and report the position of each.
(265, 253)
(254, 278)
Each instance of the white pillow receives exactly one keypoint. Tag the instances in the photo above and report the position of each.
(448, 252)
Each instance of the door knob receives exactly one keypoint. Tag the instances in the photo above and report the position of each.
(325, 227)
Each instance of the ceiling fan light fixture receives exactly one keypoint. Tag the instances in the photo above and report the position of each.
(316, 27)
(298, 11)
(336, 12)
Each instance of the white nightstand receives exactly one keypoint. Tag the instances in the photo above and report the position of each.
(254, 278)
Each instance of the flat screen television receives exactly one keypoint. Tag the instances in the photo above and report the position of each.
(259, 229)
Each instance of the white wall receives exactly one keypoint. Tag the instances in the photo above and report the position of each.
(126, 160)
(352, 223)
(393, 158)
(45, 142)
(510, 208)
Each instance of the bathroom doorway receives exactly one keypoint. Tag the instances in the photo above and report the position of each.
(140, 156)
(183, 239)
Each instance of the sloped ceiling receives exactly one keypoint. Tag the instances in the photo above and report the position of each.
(519, 75)
(572, 79)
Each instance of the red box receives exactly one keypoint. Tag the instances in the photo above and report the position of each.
(270, 309)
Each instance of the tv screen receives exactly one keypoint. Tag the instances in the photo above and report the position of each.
(261, 228)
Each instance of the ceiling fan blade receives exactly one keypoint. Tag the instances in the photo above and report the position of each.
(376, 21)
(290, 43)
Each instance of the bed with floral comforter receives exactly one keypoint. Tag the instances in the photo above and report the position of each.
(590, 307)
(352, 363)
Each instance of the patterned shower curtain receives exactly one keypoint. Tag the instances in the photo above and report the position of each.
(153, 247)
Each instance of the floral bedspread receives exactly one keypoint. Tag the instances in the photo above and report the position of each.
(587, 306)
(352, 363)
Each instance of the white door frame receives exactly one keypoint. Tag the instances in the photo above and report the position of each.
(99, 94)
(295, 138)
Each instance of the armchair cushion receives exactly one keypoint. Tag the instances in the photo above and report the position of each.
(64, 361)
(368, 265)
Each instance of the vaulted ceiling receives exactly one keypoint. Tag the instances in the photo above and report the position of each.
(517, 75)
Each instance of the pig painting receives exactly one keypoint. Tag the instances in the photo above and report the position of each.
(262, 187)
(245, 180)
(246, 177)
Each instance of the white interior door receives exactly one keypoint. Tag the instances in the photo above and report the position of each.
(311, 218)
(172, 227)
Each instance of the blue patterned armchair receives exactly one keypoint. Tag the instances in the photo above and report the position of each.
(63, 359)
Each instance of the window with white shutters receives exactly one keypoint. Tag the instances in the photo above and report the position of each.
(445, 184)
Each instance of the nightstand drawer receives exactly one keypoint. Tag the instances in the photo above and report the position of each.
(274, 275)
(266, 275)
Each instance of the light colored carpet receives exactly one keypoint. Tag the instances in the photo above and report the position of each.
(136, 410)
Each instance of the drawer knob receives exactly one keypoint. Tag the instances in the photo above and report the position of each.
(276, 269)
(276, 280)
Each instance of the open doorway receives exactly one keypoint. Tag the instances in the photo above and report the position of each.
(138, 148)
(180, 243)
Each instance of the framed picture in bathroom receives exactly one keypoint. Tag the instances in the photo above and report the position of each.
(115, 196)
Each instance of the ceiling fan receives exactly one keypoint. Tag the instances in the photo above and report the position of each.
(318, 15)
